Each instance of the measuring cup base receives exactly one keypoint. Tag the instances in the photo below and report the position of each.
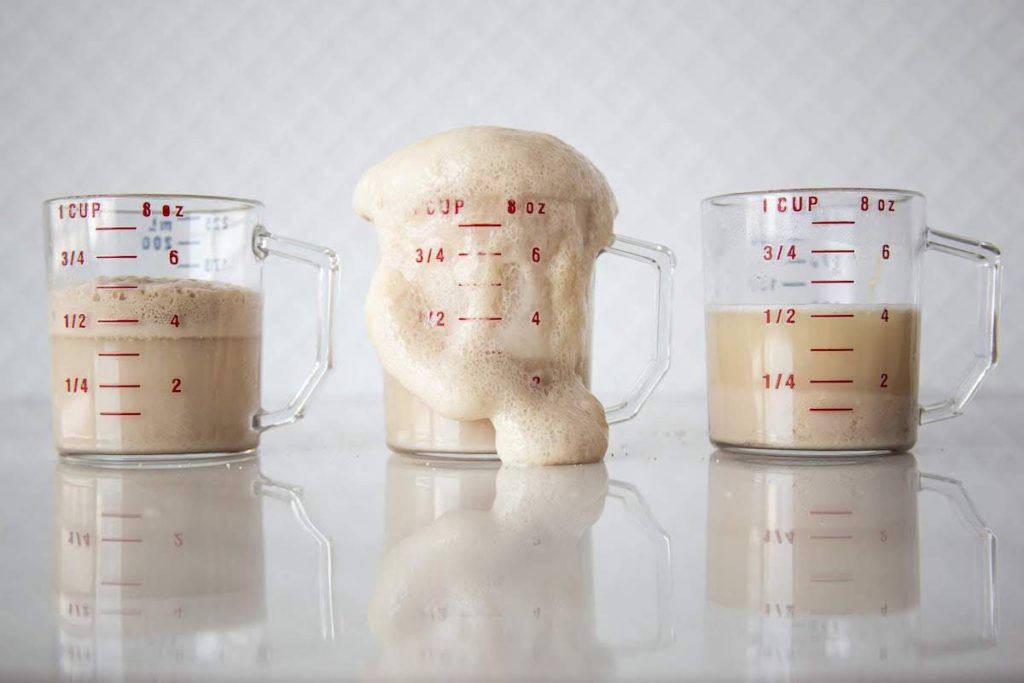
(154, 460)
(440, 455)
(806, 452)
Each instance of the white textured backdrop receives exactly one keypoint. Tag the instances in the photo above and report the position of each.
(288, 102)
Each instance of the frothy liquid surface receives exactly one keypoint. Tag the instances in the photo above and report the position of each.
(813, 377)
(480, 307)
(142, 365)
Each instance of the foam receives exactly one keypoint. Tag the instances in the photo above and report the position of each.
(484, 371)
(204, 308)
(212, 356)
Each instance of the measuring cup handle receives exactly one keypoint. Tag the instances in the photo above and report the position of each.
(326, 263)
(292, 495)
(986, 352)
(663, 260)
(639, 512)
(953, 491)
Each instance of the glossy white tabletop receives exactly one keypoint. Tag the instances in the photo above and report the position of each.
(670, 561)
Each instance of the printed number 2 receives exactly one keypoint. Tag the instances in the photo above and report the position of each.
(176, 386)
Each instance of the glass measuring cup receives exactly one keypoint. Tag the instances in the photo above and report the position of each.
(818, 559)
(471, 257)
(812, 318)
(155, 318)
(484, 563)
(162, 566)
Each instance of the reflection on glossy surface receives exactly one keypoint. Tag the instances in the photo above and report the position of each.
(816, 560)
(164, 566)
(490, 569)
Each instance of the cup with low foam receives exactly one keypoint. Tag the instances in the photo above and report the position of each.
(155, 324)
(480, 308)
(813, 318)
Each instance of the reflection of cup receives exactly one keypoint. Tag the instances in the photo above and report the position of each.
(156, 323)
(417, 494)
(492, 569)
(839, 537)
(812, 318)
(161, 566)
(480, 309)
(820, 557)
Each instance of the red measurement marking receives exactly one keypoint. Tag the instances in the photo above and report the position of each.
(831, 512)
(832, 251)
(830, 410)
(117, 355)
(123, 414)
(830, 349)
(818, 381)
(830, 538)
(831, 579)
(119, 256)
(117, 539)
(480, 253)
(120, 386)
(117, 286)
(120, 583)
(479, 284)
(122, 515)
(119, 320)
(479, 225)
(831, 315)
(833, 222)
(117, 227)
(831, 282)
(480, 318)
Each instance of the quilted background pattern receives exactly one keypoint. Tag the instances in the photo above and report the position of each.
(288, 102)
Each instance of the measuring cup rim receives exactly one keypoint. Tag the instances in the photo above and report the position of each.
(759, 193)
(248, 203)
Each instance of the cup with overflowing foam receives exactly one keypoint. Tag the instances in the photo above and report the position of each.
(480, 308)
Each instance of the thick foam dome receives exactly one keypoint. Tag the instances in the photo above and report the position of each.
(203, 308)
(499, 329)
(481, 161)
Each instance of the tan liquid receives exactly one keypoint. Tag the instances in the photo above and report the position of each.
(767, 388)
(816, 539)
(412, 426)
(488, 349)
(153, 386)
